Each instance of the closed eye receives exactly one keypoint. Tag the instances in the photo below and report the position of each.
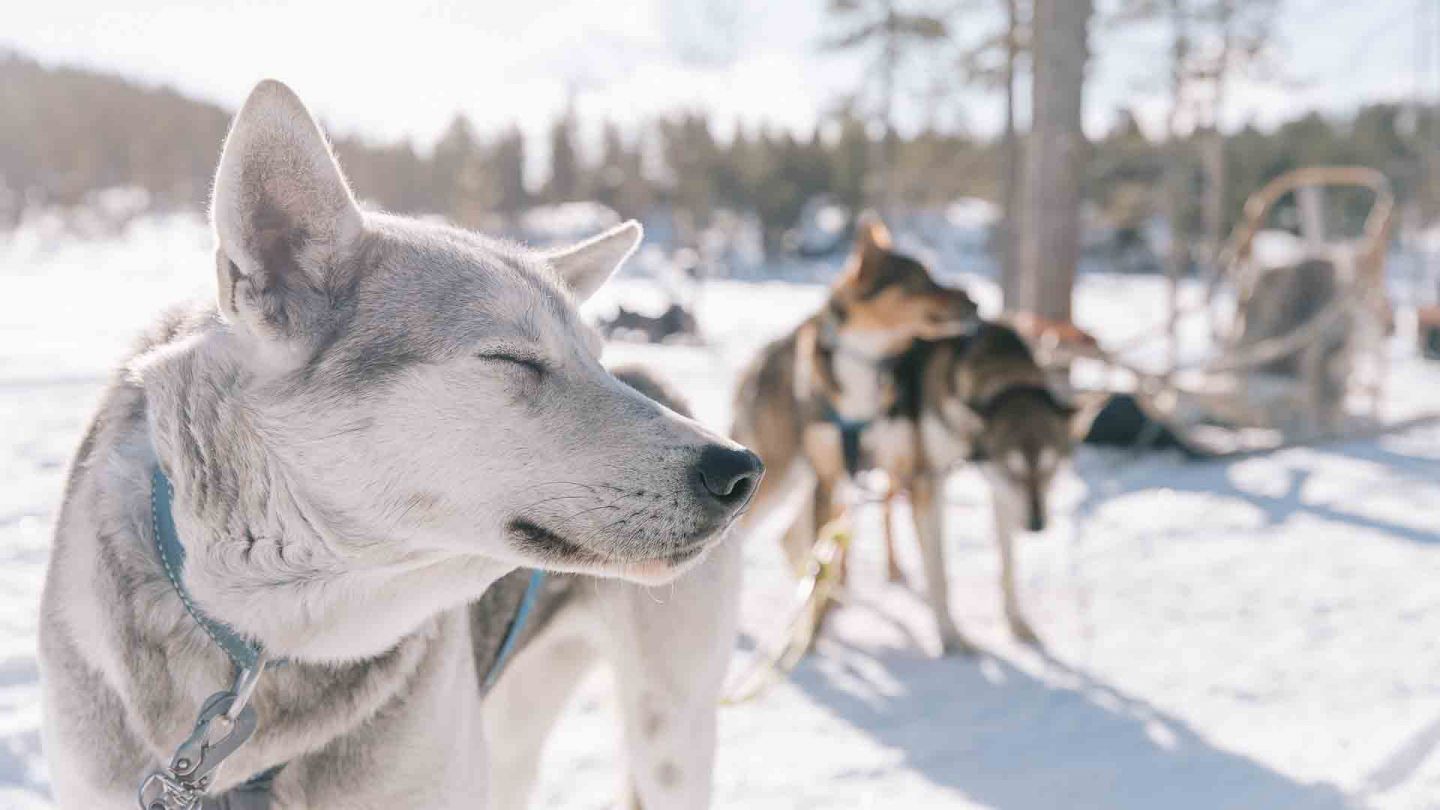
(531, 364)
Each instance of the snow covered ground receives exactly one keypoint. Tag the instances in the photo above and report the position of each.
(1256, 633)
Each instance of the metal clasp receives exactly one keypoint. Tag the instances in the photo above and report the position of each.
(225, 722)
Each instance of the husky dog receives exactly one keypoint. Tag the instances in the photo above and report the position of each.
(668, 648)
(981, 398)
(821, 399)
(377, 419)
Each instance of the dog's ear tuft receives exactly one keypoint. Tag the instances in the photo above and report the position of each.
(872, 245)
(282, 211)
(871, 234)
(588, 265)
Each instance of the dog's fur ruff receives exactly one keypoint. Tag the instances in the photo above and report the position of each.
(378, 419)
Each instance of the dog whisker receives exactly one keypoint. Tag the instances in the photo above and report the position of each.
(544, 501)
(567, 519)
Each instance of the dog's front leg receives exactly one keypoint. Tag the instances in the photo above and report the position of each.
(1007, 521)
(525, 703)
(928, 508)
(892, 560)
(670, 647)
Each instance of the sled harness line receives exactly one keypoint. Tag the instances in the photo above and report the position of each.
(817, 590)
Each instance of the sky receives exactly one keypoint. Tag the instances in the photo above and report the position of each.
(405, 71)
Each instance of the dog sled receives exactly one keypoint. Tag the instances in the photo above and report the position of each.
(1298, 323)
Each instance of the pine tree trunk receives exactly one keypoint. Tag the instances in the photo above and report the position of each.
(1007, 239)
(888, 148)
(1176, 183)
(1054, 158)
(1212, 157)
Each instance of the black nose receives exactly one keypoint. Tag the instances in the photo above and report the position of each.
(728, 476)
(1037, 522)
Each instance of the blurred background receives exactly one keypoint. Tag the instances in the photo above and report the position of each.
(1259, 630)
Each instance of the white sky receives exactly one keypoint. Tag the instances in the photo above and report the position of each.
(407, 69)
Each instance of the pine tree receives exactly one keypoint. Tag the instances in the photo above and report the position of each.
(565, 181)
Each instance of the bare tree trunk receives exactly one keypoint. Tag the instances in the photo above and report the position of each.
(1212, 145)
(1010, 176)
(891, 61)
(1212, 157)
(1177, 257)
(1054, 158)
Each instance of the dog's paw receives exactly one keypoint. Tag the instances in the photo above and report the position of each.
(952, 643)
(1023, 632)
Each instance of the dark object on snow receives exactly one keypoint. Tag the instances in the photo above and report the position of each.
(677, 321)
(1286, 299)
(1123, 423)
(1429, 329)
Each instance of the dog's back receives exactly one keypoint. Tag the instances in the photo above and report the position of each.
(995, 358)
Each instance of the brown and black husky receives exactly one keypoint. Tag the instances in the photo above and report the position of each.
(822, 398)
(981, 398)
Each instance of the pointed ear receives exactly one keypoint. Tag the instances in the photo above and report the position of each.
(872, 243)
(283, 216)
(588, 265)
(1087, 406)
(871, 234)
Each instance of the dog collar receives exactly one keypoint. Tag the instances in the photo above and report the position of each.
(226, 720)
(245, 654)
(182, 785)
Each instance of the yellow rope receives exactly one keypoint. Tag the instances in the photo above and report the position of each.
(813, 597)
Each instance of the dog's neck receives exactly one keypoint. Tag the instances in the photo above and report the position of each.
(266, 554)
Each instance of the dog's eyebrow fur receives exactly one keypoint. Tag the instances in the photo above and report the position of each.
(425, 295)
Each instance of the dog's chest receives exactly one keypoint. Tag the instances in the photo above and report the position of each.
(864, 384)
(425, 750)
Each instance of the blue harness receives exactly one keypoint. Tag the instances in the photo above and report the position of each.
(249, 657)
(850, 432)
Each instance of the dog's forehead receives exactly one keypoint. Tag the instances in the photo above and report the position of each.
(462, 285)
(426, 292)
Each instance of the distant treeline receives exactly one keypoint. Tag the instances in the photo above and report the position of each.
(66, 132)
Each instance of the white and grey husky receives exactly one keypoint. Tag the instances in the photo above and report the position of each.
(377, 419)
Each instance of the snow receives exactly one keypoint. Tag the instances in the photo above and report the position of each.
(1255, 633)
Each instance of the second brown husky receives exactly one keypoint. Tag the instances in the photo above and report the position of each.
(981, 398)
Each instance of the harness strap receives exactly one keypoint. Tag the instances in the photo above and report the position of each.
(517, 625)
(850, 433)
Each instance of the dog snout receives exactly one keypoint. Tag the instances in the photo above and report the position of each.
(727, 477)
(1037, 511)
